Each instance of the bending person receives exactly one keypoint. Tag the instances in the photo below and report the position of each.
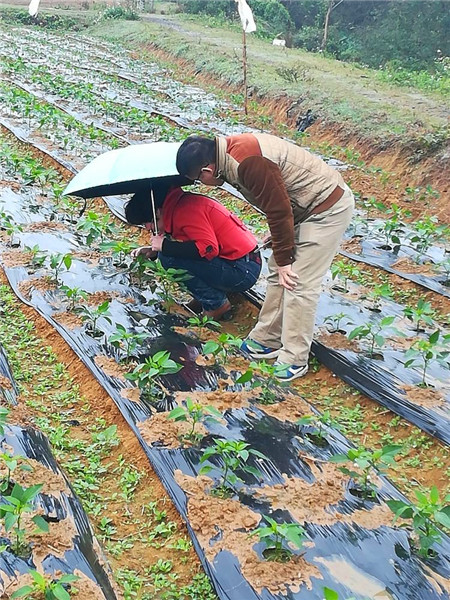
(204, 238)
(308, 208)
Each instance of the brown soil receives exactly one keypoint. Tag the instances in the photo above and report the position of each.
(111, 367)
(98, 298)
(166, 432)
(290, 409)
(407, 265)
(5, 383)
(53, 483)
(12, 185)
(68, 319)
(210, 516)
(39, 284)
(337, 340)
(56, 541)
(45, 226)
(309, 502)
(16, 258)
(220, 399)
(426, 397)
(92, 256)
(353, 246)
(133, 394)
(87, 589)
(124, 515)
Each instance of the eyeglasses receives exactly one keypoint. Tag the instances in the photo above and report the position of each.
(198, 178)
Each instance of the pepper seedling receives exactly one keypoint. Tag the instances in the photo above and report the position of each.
(194, 414)
(365, 461)
(428, 510)
(147, 372)
(277, 537)
(234, 456)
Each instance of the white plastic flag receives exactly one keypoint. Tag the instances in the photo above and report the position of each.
(245, 12)
(33, 8)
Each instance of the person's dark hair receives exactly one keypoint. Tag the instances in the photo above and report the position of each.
(194, 153)
(138, 209)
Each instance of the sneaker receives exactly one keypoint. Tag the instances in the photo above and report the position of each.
(223, 313)
(256, 350)
(290, 372)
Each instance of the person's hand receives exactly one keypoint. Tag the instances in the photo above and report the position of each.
(143, 251)
(286, 277)
(157, 242)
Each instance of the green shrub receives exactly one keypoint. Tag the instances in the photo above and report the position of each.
(119, 12)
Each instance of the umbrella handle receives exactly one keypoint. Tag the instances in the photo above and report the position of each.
(154, 210)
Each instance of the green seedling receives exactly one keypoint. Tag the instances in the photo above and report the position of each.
(377, 293)
(278, 537)
(75, 295)
(234, 456)
(96, 227)
(56, 589)
(374, 333)
(194, 413)
(10, 463)
(138, 268)
(372, 204)
(336, 320)
(443, 267)
(420, 194)
(318, 422)
(38, 257)
(4, 415)
(70, 206)
(126, 341)
(120, 250)
(426, 232)
(225, 344)
(424, 351)
(19, 502)
(344, 271)
(391, 229)
(57, 190)
(268, 382)
(146, 373)
(58, 262)
(166, 281)
(8, 225)
(91, 315)
(424, 515)
(421, 312)
(202, 322)
(366, 461)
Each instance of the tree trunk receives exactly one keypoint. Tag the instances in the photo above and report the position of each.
(325, 28)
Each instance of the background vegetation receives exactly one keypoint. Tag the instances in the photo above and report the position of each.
(387, 33)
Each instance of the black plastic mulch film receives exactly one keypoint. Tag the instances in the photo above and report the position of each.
(359, 560)
(58, 507)
(374, 251)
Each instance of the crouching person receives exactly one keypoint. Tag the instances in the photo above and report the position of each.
(201, 236)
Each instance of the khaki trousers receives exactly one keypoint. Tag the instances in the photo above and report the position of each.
(286, 320)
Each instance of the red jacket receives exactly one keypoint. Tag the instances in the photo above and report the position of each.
(215, 230)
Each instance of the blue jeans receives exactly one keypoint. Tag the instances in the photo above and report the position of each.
(210, 279)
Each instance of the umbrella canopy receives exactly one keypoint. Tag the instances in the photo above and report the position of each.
(127, 171)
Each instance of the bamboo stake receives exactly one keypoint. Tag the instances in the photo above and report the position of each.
(244, 68)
